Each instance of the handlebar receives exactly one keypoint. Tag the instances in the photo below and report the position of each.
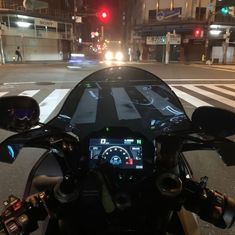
(22, 216)
(212, 206)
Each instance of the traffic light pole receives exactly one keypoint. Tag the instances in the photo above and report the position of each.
(207, 35)
(225, 43)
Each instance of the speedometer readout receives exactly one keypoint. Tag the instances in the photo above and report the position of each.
(121, 153)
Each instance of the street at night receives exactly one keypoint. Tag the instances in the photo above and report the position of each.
(196, 85)
(145, 144)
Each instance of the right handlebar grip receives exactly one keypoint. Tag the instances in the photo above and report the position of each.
(211, 206)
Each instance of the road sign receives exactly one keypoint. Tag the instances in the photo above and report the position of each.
(174, 39)
(231, 11)
(210, 6)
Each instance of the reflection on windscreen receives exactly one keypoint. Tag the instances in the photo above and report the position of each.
(149, 103)
(122, 97)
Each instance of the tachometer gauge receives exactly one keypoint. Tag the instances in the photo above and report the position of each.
(117, 156)
(124, 153)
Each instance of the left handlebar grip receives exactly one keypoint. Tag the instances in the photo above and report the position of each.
(22, 216)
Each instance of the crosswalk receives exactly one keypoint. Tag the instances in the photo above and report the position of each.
(207, 94)
(196, 95)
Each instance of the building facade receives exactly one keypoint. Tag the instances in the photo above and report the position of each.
(41, 33)
(197, 29)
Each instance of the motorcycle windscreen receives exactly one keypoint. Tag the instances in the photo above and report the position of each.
(125, 97)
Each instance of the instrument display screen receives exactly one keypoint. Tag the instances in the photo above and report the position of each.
(120, 153)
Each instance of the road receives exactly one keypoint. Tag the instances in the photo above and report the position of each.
(49, 84)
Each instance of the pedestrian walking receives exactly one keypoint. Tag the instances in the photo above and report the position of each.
(138, 54)
(18, 54)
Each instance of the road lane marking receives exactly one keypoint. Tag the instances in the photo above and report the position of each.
(198, 79)
(49, 104)
(29, 93)
(220, 89)
(213, 68)
(166, 80)
(202, 84)
(30, 83)
(211, 95)
(233, 86)
(189, 98)
(3, 93)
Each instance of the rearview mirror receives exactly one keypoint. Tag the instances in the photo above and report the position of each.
(18, 113)
(216, 121)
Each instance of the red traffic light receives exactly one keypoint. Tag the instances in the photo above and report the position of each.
(198, 33)
(103, 15)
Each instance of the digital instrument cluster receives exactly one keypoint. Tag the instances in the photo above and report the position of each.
(123, 153)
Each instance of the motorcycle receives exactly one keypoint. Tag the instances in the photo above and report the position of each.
(114, 160)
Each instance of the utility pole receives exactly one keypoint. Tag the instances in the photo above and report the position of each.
(168, 47)
(74, 24)
(225, 45)
(1, 47)
(211, 13)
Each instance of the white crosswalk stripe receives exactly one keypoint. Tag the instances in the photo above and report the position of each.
(194, 94)
(196, 102)
(225, 91)
(211, 95)
(189, 98)
(49, 104)
(29, 93)
(3, 93)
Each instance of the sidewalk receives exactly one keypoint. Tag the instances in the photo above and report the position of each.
(40, 62)
(217, 66)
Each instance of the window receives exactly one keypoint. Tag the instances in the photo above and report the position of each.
(201, 13)
(61, 27)
(5, 20)
(152, 15)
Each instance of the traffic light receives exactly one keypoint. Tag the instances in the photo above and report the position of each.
(103, 15)
(198, 33)
(224, 11)
(225, 7)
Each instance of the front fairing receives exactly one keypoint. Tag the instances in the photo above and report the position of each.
(122, 97)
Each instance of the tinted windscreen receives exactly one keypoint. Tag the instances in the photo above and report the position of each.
(143, 104)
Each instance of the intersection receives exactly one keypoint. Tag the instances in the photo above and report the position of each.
(195, 85)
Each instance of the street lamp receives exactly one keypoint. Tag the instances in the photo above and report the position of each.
(23, 24)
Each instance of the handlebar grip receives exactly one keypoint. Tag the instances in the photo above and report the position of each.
(211, 206)
(22, 216)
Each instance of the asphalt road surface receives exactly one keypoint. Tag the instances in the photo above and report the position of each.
(49, 84)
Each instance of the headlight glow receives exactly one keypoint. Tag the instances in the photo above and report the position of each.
(119, 56)
(108, 55)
